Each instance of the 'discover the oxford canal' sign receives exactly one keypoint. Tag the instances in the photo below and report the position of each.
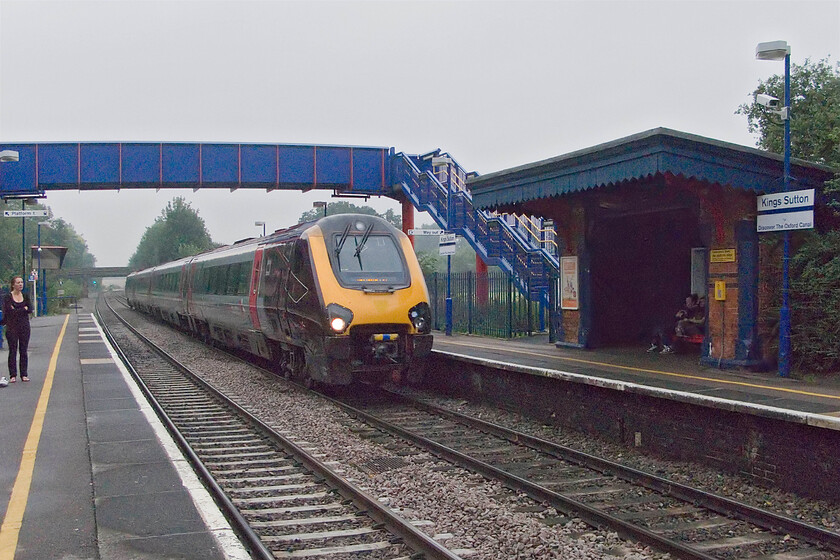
(785, 211)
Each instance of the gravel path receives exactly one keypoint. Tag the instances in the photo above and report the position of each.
(477, 518)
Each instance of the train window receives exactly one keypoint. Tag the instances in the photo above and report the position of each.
(232, 279)
(201, 281)
(375, 260)
(244, 278)
(214, 280)
(221, 280)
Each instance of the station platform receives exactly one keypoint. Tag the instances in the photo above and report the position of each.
(86, 469)
(677, 373)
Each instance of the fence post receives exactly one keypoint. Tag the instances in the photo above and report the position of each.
(528, 307)
(470, 295)
(435, 285)
(552, 311)
(510, 307)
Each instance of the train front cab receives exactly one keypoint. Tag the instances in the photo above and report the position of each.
(357, 315)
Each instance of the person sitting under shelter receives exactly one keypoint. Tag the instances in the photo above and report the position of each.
(690, 320)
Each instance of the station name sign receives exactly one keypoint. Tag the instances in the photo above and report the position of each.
(24, 213)
(447, 244)
(785, 211)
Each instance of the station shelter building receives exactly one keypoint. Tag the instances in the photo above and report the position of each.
(651, 218)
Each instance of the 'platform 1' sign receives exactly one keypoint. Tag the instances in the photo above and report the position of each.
(24, 213)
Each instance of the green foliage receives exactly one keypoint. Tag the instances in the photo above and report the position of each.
(344, 207)
(59, 233)
(178, 232)
(815, 269)
(429, 261)
(815, 286)
(815, 115)
(427, 245)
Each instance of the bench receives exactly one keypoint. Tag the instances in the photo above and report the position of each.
(692, 338)
(683, 342)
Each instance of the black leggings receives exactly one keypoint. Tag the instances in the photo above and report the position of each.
(18, 341)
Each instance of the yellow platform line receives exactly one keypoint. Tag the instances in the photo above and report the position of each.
(10, 529)
(654, 371)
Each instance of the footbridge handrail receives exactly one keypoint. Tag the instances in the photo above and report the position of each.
(494, 239)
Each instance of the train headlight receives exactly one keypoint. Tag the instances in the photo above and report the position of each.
(339, 317)
(421, 317)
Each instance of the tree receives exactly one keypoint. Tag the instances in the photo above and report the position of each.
(344, 207)
(428, 253)
(815, 270)
(59, 233)
(815, 115)
(178, 232)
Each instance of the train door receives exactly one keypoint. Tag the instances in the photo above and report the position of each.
(302, 303)
(272, 301)
(255, 284)
(183, 288)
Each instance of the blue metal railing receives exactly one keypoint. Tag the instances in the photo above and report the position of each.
(494, 239)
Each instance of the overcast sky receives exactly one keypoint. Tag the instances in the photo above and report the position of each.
(495, 84)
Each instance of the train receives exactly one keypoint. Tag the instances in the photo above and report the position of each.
(338, 300)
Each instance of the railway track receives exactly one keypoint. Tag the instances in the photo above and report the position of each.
(671, 517)
(281, 499)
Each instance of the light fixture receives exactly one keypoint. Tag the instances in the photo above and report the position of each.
(9, 155)
(772, 50)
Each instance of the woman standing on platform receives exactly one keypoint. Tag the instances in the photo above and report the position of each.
(16, 310)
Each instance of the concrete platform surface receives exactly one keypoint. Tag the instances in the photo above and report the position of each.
(86, 470)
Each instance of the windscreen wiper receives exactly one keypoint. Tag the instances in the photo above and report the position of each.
(341, 241)
(361, 244)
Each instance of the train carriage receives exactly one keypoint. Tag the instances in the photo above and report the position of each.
(332, 301)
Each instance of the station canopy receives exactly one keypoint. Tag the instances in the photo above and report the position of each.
(656, 152)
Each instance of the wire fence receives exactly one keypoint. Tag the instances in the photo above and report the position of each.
(488, 304)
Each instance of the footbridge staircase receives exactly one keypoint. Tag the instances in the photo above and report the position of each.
(522, 247)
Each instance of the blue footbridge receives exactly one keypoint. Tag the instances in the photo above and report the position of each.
(523, 247)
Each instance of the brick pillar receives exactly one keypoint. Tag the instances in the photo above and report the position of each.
(408, 218)
(747, 345)
(482, 285)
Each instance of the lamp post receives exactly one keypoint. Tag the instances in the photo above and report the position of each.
(438, 162)
(38, 271)
(780, 50)
(258, 224)
(320, 204)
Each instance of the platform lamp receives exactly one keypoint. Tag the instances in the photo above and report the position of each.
(780, 50)
(9, 155)
(258, 224)
(320, 204)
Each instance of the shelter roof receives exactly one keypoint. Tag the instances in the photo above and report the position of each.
(655, 152)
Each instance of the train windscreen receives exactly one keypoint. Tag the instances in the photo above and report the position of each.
(371, 260)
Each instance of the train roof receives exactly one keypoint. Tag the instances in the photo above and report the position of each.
(329, 223)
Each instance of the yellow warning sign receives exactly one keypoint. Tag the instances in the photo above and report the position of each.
(722, 255)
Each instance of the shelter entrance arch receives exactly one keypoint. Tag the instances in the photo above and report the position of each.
(641, 248)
